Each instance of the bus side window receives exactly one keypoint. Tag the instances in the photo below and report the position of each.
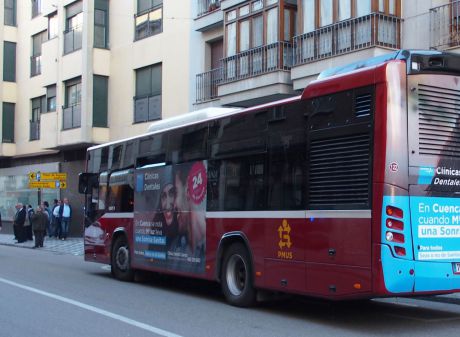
(120, 196)
(237, 184)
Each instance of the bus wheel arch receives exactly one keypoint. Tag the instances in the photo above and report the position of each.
(120, 259)
(237, 272)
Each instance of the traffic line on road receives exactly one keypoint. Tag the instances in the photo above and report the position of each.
(88, 307)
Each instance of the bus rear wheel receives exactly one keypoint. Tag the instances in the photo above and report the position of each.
(120, 261)
(237, 278)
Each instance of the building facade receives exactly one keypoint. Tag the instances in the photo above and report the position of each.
(79, 72)
(256, 51)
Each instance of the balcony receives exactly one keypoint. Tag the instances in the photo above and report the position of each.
(71, 117)
(264, 69)
(206, 85)
(348, 36)
(35, 65)
(207, 6)
(445, 26)
(72, 40)
(34, 130)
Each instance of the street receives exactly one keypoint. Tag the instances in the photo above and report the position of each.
(47, 294)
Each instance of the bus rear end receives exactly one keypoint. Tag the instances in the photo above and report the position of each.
(420, 232)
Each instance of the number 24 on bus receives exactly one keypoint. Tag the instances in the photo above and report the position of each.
(328, 194)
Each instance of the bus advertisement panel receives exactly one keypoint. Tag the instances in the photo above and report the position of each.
(169, 217)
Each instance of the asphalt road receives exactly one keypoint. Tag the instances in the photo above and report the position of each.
(48, 294)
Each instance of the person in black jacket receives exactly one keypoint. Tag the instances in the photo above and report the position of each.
(18, 223)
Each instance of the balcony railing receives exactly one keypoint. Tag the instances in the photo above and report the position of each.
(34, 130)
(72, 40)
(147, 108)
(206, 85)
(35, 65)
(253, 62)
(445, 26)
(71, 117)
(207, 6)
(257, 61)
(346, 36)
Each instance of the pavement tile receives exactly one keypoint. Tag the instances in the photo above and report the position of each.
(73, 246)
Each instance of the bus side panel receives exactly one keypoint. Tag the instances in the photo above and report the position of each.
(338, 256)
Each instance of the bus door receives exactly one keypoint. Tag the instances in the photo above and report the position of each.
(95, 208)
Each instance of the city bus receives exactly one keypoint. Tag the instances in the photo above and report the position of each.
(350, 190)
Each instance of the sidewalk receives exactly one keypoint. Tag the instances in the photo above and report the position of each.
(72, 246)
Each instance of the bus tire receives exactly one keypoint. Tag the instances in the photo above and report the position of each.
(237, 277)
(120, 260)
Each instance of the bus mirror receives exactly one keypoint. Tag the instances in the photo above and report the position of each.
(86, 182)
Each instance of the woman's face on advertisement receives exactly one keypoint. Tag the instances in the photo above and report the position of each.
(167, 203)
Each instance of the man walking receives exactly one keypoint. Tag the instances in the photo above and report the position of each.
(65, 214)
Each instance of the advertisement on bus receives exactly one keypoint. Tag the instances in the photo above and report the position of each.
(170, 217)
(436, 212)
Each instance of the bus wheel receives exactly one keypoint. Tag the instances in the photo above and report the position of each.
(120, 262)
(236, 277)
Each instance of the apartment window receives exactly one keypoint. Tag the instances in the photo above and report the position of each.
(9, 61)
(256, 24)
(52, 25)
(8, 123)
(73, 26)
(38, 107)
(147, 102)
(73, 92)
(51, 98)
(36, 8)
(72, 107)
(36, 58)
(100, 100)
(10, 13)
(101, 24)
(149, 18)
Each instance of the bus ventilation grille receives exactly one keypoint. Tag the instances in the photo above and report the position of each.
(363, 105)
(339, 173)
(439, 121)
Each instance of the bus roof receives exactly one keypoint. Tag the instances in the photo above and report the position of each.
(195, 117)
(427, 60)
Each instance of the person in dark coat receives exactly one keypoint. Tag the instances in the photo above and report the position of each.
(18, 223)
(28, 223)
(39, 222)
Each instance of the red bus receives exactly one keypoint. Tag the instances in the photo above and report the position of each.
(350, 190)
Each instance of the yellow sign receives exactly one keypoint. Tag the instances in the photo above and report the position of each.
(39, 176)
(53, 176)
(42, 184)
(61, 184)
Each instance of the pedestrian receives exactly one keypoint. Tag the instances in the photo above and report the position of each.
(46, 210)
(56, 219)
(39, 222)
(65, 214)
(28, 223)
(18, 223)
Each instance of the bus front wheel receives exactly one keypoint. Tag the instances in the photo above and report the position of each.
(237, 277)
(120, 262)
